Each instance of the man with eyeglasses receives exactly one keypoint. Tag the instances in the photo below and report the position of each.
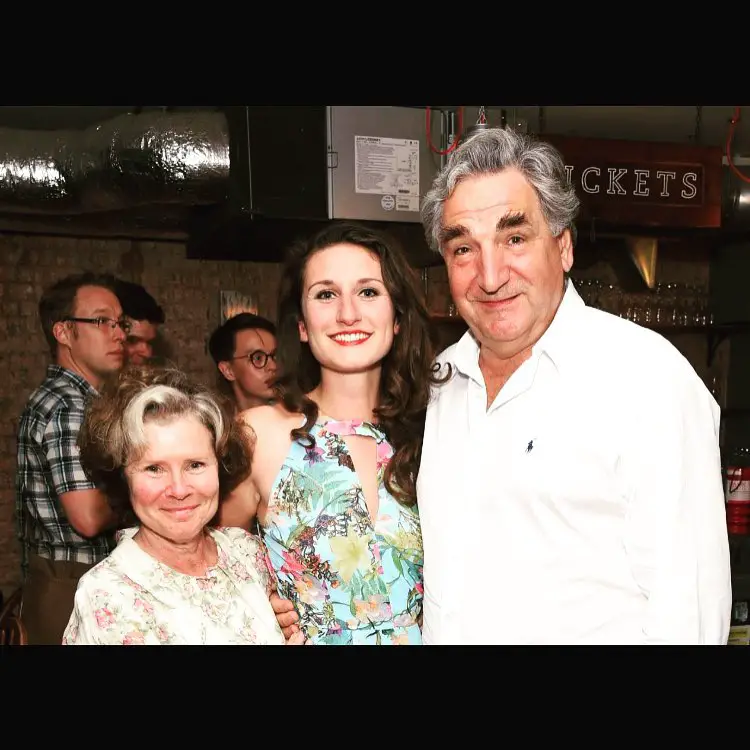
(63, 519)
(244, 350)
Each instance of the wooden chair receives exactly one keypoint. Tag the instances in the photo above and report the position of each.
(12, 630)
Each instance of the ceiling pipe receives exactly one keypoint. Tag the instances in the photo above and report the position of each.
(129, 161)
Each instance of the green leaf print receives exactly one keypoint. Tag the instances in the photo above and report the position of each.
(295, 491)
(396, 561)
(368, 588)
(331, 489)
(333, 483)
(294, 535)
(372, 586)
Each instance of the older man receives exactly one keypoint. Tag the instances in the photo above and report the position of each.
(570, 485)
(570, 477)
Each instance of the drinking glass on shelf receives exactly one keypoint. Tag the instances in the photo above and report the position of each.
(650, 306)
(666, 313)
(597, 290)
(584, 289)
(634, 308)
(684, 304)
(609, 298)
(702, 312)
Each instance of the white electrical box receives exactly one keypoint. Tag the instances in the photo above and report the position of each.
(380, 163)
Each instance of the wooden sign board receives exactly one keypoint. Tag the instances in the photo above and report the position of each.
(638, 183)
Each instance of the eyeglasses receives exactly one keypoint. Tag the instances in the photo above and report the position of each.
(123, 324)
(258, 358)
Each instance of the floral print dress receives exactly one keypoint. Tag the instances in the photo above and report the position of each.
(352, 581)
(130, 598)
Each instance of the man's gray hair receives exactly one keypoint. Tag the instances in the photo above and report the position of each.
(494, 150)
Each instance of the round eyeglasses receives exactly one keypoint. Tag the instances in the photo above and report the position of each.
(258, 358)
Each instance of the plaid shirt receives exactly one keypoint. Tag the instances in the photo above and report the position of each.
(48, 466)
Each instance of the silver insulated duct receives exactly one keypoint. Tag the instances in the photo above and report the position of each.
(131, 161)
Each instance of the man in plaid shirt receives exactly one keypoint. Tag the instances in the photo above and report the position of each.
(63, 519)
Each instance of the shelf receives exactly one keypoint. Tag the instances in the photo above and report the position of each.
(735, 411)
(716, 328)
(723, 329)
(716, 332)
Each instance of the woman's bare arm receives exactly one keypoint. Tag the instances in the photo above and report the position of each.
(241, 506)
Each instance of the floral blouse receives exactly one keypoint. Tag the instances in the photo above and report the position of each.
(130, 598)
(352, 581)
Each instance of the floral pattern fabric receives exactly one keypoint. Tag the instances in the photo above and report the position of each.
(130, 598)
(352, 581)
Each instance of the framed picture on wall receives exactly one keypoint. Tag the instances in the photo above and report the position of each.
(233, 303)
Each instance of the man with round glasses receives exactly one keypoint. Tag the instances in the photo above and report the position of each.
(63, 518)
(244, 350)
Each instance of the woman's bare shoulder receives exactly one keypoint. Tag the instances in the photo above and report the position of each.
(269, 418)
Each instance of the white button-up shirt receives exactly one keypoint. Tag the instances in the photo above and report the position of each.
(585, 506)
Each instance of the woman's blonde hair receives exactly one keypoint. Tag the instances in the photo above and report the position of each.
(113, 436)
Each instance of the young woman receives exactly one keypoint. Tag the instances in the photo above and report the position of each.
(335, 459)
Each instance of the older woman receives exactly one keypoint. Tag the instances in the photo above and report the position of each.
(166, 452)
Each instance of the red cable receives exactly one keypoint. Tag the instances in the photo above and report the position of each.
(730, 135)
(454, 145)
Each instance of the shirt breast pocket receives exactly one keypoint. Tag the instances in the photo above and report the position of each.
(563, 471)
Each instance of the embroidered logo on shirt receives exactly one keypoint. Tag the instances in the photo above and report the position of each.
(530, 446)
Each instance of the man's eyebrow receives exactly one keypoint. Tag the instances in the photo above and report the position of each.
(511, 220)
(452, 232)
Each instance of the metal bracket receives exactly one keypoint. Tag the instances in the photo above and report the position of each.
(715, 337)
(720, 332)
(698, 123)
(333, 159)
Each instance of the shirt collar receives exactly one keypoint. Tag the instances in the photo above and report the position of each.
(57, 371)
(554, 342)
(163, 582)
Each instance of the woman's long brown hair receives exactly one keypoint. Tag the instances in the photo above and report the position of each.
(408, 370)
